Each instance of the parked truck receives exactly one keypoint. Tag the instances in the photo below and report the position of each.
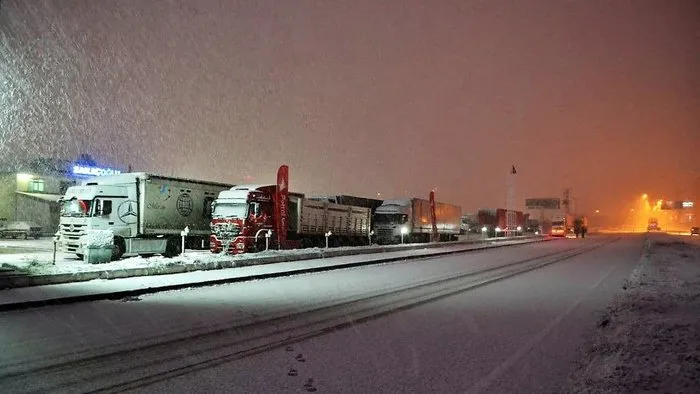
(145, 212)
(494, 221)
(562, 225)
(412, 219)
(251, 218)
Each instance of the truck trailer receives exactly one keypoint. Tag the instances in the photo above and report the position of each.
(145, 212)
(410, 219)
(251, 218)
(355, 201)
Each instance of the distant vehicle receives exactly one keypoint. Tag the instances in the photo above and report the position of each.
(495, 221)
(563, 225)
(412, 218)
(653, 225)
(470, 224)
(146, 213)
(695, 231)
(19, 229)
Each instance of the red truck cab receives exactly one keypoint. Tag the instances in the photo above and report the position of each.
(240, 218)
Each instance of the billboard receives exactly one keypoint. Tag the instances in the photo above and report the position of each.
(672, 205)
(543, 203)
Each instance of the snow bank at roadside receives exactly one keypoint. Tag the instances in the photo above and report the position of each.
(649, 338)
(41, 263)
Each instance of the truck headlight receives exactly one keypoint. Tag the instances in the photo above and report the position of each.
(240, 246)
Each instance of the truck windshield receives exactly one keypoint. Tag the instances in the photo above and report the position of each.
(558, 223)
(392, 218)
(75, 207)
(230, 210)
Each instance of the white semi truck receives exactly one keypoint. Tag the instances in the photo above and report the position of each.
(145, 212)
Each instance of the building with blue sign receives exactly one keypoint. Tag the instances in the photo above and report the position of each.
(29, 192)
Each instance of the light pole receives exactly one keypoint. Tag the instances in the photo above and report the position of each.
(328, 234)
(404, 231)
(183, 235)
(268, 234)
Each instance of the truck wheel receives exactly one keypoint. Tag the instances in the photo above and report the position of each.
(173, 247)
(119, 248)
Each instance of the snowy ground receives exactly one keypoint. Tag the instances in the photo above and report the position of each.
(41, 262)
(41, 244)
(35, 257)
(515, 336)
(649, 339)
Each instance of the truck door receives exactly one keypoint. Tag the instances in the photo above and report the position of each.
(103, 209)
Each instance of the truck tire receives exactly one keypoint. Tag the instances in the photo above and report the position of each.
(119, 248)
(173, 247)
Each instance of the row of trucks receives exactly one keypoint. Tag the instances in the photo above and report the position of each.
(147, 214)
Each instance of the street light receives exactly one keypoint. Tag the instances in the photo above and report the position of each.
(404, 231)
(328, 234)
(183, 235)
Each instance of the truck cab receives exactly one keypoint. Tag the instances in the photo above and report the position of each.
(562, 226)
(391, 219)
(241, 217)
(98, 207)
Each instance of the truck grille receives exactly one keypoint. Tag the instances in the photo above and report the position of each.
(70, 236)
(385, 232)
(226, 230)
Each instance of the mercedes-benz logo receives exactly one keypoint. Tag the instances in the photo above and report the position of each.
(126, 212)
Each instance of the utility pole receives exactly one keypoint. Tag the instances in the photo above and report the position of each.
(567, 200)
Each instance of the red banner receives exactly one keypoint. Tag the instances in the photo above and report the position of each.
(282, 205)
(433, 217)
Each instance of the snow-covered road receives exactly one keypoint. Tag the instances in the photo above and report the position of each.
(524, 329)
(649, 339)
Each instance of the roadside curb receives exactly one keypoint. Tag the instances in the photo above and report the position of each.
(177, 267)
(116, 295)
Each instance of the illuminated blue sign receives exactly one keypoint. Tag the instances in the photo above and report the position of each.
(94, 171)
